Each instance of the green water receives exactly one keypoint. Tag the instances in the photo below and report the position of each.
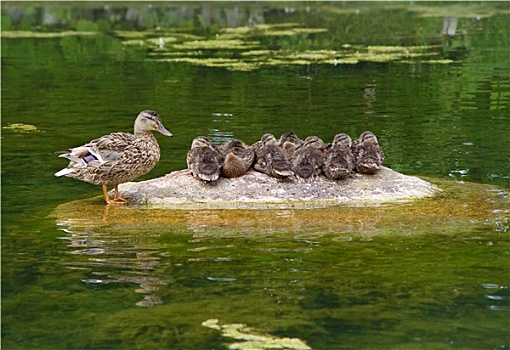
(433, 275)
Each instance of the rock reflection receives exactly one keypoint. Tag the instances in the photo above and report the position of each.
(114, 256)
(300, 222)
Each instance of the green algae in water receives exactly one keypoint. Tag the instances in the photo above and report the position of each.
(22, 128)
(30, 34)
(216, 44)
(254, 55)
(253, 340)
(229, 64)
(255, 59)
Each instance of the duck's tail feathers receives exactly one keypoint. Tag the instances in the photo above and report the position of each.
(63, 172)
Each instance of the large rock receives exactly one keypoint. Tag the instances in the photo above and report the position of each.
(256, 190)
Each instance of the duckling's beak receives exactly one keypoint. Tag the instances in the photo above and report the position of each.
(164, 131)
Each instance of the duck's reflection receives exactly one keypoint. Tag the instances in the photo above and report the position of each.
(115, 256)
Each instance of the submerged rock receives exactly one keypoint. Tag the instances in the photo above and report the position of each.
(256, 190)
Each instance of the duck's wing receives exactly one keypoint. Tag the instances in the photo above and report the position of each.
(111, 147)
(101, 150)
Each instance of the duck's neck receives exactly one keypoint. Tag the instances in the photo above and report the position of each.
(141, 133)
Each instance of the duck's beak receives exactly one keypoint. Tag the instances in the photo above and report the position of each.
(164, 131)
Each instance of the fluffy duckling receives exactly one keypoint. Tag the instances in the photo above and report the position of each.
(289, 142)
(368, 155)
(339, 161)
(270, 158)
(117, 158)
(308, 159)
(204, 160)
(237, 158)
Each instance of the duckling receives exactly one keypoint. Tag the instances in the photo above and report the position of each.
(308, 159)
(339, 161)
(289, 142)
(117, 158)
(238, 158)
(270, 158)
(368, 155)
(204, 160)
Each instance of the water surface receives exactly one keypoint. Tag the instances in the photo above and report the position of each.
(429, 275)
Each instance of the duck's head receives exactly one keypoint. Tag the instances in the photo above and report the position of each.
(314, 141)
(290, 137)
(201, 141)
(268, 139)
(343, 140)
(368, 138)
(234, 144)
(148, 121)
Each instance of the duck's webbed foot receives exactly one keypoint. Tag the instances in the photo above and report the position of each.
(117, 199)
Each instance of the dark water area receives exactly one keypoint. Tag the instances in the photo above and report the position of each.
(127, 278)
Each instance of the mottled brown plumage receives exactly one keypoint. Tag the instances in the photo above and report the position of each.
(270, 158)
(237, 158)
(339, 161)
(308, 159)
(368, 155)
(117, 158)
(289, 142)
(204, 160)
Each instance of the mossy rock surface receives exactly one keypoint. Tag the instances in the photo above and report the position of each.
(256, 190)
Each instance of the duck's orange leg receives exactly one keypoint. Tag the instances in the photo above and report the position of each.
(116, 199)
(107, 195)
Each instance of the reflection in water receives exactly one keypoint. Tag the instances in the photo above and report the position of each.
(341, 222)
(304, 273)
(142, 15)
(369, 96)
(114, 257)
(499, 297)
(218, 133)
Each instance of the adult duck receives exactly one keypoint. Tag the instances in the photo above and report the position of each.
(118, 157)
